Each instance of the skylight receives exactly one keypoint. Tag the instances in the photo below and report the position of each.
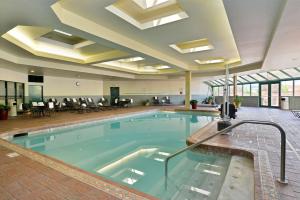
(192, 46)
(267, 75)
(248, 78)
(292, 72)
(280, 75)
(145, 4)
(137, 12)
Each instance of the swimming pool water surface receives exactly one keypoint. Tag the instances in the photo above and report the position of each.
(131, 151)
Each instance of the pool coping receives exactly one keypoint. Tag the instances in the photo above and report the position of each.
(264, 186)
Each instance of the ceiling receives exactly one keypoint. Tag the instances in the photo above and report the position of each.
(245, 35)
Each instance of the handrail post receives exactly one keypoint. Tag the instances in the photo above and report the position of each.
(282, 178)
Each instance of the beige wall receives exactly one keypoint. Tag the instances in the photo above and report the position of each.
(59, 86)
(54, 86)
(157, 87)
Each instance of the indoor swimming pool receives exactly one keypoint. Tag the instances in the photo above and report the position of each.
(131, 151)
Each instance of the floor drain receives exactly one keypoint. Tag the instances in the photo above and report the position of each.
(12, 155)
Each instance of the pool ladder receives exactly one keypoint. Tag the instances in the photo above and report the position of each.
(282, 178)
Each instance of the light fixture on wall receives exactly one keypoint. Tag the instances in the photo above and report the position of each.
(77, 83)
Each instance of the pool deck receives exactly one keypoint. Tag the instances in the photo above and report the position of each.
(25, 178)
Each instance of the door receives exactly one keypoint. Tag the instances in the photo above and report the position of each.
(114, 94)
(269, 94)
(35, 93)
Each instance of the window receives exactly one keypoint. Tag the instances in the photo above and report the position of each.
(221, 88)
(239, 90)
(246, 90)
(231, 90)
(216, 91)
(297, 87)
(286, 88)
(2, 92)
(254, 89)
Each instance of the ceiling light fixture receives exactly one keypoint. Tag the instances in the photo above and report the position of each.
(31, 71)
(192, 46)
(62, 32)
(212, 61)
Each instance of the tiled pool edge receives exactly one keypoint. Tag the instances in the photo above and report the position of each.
(95, 181)
(264, 186)
(7, 134)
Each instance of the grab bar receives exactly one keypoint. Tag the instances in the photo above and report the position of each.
(283, 146)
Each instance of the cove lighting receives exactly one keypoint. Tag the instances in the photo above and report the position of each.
(192, 46)
(163, 67)
(133, 59)
(62, 32)
(213, 61)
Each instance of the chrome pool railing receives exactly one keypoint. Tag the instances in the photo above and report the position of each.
(282, 178)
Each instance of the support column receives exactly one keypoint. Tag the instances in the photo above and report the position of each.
(234, 85)
(188, 78)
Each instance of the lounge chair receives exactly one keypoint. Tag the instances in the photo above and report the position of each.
(124, 103)
(156, 100)
(168, 100)
(92, 105)
(49, 109)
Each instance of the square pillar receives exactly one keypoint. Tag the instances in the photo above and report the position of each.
(188, 78)
(234, 85)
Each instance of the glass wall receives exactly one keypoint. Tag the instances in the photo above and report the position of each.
(2, 92)
(254, 89)
(287, 88)
(297, 88)
(246, 90)
(11, 91)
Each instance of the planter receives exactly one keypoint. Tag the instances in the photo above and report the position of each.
(194, 106)
(3, 114)
(237, 104)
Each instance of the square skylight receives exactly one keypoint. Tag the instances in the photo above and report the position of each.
(137, 12)
(145, 4)
(192, 46)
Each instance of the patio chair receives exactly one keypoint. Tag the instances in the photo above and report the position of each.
(49, 109)
(168, 100)
(92, 105)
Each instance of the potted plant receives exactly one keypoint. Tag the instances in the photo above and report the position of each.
(146, 103)
(4, 112)
(210, 100)
(237, 101)
(194, 103)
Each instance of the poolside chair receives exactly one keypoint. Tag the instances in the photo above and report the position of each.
(92, 105)
(296, 113)
(156, 100)
(168, 100)
(68, 103)
(49, 109)
(124, 103)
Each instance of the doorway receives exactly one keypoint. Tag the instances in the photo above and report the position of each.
(114, 94)
(35, 93)
(269, 94)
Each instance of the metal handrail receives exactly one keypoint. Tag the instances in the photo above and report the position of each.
(283, 146)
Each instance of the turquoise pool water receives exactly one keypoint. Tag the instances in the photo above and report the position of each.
(131, 151)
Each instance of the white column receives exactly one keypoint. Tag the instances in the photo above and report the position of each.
(188, 78)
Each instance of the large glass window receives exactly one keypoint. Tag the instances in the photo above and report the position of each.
(221, 88)
(231, 90)
(239, 90)
(254, 89)
(246, 90)
(286, 88)
(216, 91)
(297, 88)
(2, 92)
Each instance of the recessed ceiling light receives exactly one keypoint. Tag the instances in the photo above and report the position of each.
(163, 67)
(212, 61)
(32, 71)
(192, 46)
(62, 32)
(132, 59)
